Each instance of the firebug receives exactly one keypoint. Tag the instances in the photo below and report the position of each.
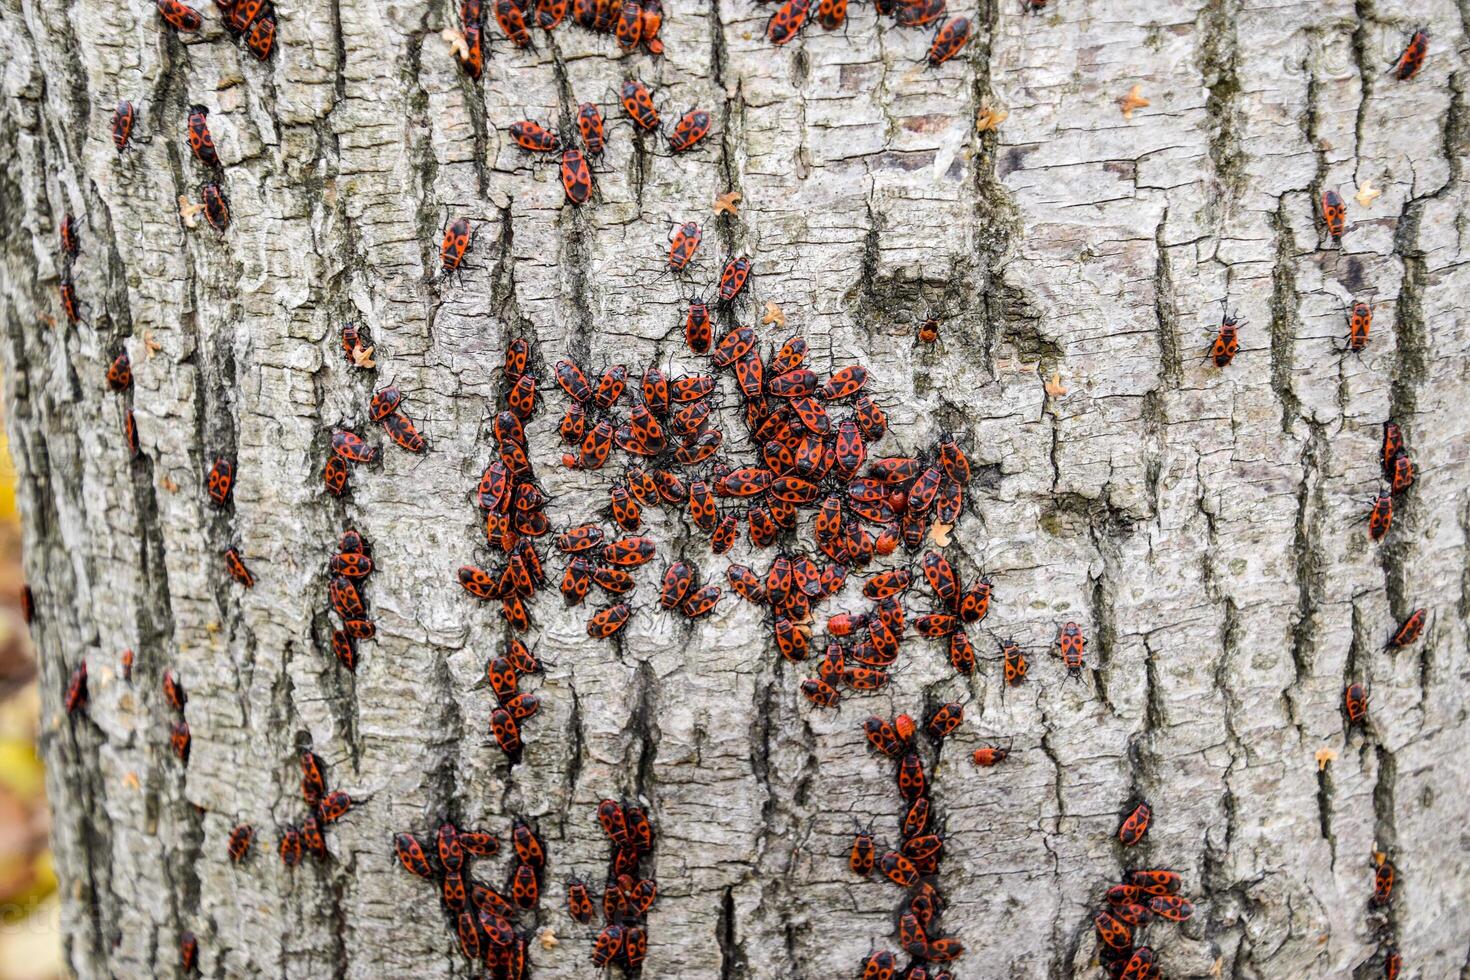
(235, 565)
(458, 235)
(692, 127)
(951, 37)
(787, 21)
(200, 140)
(1072, 644)
(180, 16)
(1334, 214)
(1355, 703)
(1135, 825)
(533, 137)
(1227, 342)
(576, 176)
(683, 243)
(638, 104)
(239, 842)
(1380, 517)
(122, 124)
(589, 124)
(734, 276)
(512, 20)
(1409, 630)
(1409, 63)
(1360, 322)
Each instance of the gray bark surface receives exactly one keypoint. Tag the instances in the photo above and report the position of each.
(1202, 525)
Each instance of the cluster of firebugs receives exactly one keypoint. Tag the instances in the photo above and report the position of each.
(1142, 896)
(627, 895)
(808, 459)
(634, 23)
(482, 918)
(324, 807)
(250, 21)
(950, 37)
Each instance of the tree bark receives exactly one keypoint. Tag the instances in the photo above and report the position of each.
(1203, 525)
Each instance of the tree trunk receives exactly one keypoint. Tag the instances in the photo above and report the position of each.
(1204, 525)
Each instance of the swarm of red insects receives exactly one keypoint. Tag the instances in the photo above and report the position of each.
(596, 559)
(950, 36)
(962, 607)
(513, 503)
(482, 919)
(914, 865)
(667, 428)
(513, 706)
(790, 587)
(809, 458)
(349, 569)
(1142, 897)
(324, 807)
(633, 23)
(688, 131)
(627, 895)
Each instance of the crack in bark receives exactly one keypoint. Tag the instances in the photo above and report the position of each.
(1219, 58)
(1308, 560)
(732, 954)
(1165, 313)
(1285, 301)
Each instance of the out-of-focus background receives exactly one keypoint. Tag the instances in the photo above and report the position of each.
(30, 935)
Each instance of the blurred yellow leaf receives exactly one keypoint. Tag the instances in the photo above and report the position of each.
(20, 771)
(7, 482)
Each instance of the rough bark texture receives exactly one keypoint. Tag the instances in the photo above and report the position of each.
(1200, 524)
